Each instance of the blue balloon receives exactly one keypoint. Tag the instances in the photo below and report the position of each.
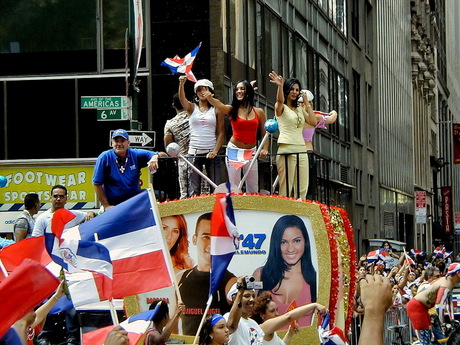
(271, 125)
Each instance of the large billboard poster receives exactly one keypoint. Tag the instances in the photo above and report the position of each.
(264, 224)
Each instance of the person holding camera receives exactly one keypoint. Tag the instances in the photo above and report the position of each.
(245, 330)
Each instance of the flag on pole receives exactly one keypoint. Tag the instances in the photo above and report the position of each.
(330, 335)
(182, 65)
(32, 248)
(415, 252)
(136, 326)
(376, 255)
(138, 33)
(224, 238)
(24, 289)
(75, 255)
(239, 157)
(133, 235)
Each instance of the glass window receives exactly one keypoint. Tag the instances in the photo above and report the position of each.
(115, 25)
(323, 85)
(31, 28)
(356, 105)
(301, 61)
(238, 36)
(273, 41)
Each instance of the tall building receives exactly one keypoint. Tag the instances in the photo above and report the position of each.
(389, 68)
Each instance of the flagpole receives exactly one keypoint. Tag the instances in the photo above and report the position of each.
(3, 268)
(169, 264)
(113, 312)
(198, 171)
(203, 318)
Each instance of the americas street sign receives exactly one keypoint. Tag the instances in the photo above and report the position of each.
(140, 139)
(105, 102)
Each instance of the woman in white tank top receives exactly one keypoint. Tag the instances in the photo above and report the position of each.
(206, 133)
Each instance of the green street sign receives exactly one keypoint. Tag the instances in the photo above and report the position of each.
(113, 114)
(105, 102)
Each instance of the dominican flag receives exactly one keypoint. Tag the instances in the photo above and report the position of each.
(30, 248)
(76, 255)
(376, 255)
(239, 157)
(182, 65)
(24, 289)
(224, 237)
(136, 326)
(415, 252)
(441, 252)
(409, 260)
(330, 336)
(132, 233)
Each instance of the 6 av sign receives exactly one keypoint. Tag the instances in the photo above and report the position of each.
(109, 108)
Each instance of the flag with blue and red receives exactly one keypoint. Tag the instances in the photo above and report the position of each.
(224, 239)
(330, 335)
(182, 65)
(136, 326)
(376, 255)
(239, 157)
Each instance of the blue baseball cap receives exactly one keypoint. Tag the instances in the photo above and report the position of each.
(120, 133)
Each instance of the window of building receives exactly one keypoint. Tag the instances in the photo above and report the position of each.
(369, 26)
(114, 27)
(323, 86)
(355, 20)
(47, 27)
(357, 105)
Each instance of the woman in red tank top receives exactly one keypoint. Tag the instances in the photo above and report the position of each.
(246, 120)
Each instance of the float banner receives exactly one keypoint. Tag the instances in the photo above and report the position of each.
(447, 210)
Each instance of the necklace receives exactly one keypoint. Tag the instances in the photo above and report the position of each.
(121, 163)
(203, 109)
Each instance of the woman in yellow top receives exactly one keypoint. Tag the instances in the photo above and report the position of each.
(292, 159)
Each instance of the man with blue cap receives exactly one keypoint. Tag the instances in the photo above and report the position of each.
(117, 171)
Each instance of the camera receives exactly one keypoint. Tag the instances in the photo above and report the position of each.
(250, 283)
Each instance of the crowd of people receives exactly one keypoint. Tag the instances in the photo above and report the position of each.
(421, 289)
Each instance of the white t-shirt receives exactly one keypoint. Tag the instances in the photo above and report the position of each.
(248, 333)
(276, 340)
(43, 221)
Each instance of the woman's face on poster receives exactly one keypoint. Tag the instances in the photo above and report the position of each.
(171, 230)
(292, 245)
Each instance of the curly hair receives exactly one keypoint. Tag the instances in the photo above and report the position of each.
(261, 305)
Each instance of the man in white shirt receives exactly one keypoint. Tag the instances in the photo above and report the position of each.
(58, 200)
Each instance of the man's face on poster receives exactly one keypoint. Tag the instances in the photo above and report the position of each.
(202, 240)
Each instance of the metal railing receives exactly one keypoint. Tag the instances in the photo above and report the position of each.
(167, 186)
(395, 316)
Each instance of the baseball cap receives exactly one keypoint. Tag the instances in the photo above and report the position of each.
(233, 291)
(120, 133)
(203, 82)
(309, 96)
(453, 268)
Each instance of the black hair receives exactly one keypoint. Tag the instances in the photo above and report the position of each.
(206, 330)
(176, 102)
(163, 310)
(287, 87)
(59, 186)
(248, 99)
(204, 216)
(273, 271)
(30, 200)
(389, 245)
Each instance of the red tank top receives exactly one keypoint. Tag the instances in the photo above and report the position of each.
(245, 130)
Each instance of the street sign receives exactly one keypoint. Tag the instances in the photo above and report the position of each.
(140, 139)
(105, 102)
(113, 114)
